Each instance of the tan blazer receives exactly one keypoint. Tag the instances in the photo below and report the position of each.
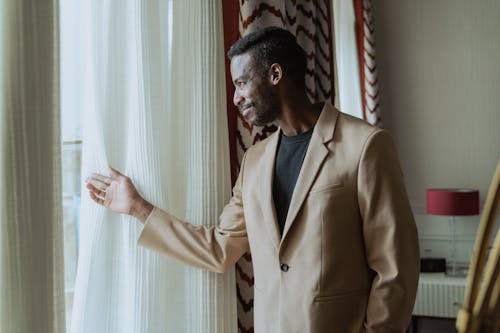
(348, 260)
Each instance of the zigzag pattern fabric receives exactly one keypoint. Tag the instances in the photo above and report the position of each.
(367, 61)
(310, 22)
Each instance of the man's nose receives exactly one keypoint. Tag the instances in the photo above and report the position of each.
(237, 98)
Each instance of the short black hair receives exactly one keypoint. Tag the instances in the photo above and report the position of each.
(273, 45)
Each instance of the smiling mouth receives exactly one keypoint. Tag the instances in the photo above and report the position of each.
(246, 110)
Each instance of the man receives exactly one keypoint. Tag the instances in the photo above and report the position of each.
(320, 204)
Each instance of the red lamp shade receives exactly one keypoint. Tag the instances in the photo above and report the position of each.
(452, 202)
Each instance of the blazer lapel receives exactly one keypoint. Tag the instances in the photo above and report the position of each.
(266, 189)
(315, 155)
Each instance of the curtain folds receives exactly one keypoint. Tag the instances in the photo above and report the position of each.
(365, 33)
(31, 258)
(348, 81)
(155, 109)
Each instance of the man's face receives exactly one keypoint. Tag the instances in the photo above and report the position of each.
(254, 95)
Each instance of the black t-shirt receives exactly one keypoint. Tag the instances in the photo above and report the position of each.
(289, 158)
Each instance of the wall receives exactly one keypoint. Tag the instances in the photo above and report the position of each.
(440, 82)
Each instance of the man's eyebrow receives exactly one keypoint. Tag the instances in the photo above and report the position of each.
(239, 78)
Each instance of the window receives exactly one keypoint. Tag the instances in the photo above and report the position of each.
(71, 138)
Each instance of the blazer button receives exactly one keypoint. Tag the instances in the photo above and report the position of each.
(284, 267)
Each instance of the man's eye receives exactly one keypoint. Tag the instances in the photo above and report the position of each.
(240, 83)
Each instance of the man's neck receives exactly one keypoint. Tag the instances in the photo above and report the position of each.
(298, 115)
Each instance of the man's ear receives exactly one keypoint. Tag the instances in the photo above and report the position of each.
(275, 73)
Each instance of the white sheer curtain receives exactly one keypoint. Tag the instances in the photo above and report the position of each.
(31, 261)
(153, 106)
(347, 82)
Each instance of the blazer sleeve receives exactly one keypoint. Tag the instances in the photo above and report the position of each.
(212, 248)
(390, 236)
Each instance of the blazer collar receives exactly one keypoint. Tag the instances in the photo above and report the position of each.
(266, 189)
(315, 155)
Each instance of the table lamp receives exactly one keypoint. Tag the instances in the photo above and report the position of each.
(453, 202)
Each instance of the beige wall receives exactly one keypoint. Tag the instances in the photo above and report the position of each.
(439, 63)
(439, 66)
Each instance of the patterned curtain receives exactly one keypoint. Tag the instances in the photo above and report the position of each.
(310, 21)
(367, 61)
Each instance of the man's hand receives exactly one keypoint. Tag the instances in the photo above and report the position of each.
(119, 194)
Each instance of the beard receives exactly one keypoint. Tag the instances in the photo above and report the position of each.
(266, 107)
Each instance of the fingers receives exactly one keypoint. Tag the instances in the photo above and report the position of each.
(97, 199)
(100, 178)
(97, 191)
(96, 185)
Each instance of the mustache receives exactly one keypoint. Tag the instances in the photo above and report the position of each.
(245, 106)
